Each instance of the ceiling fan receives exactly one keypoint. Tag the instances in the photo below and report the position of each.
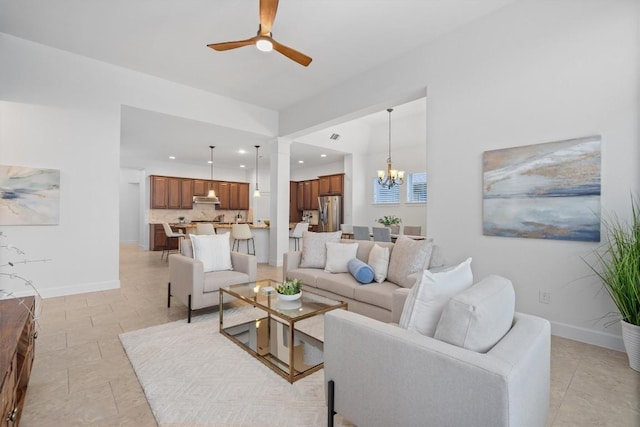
(263, 40)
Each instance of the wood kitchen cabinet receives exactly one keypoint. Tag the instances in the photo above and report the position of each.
(159, 192)
(314, 194)
(300, 196)
(331, 185)
(224, 195)
(167, 192)
(16, 356)
(158, 238)
(310, 192)
(186, 193)
(294, 213)
(201, 187)
(234, 194)
(243, 196)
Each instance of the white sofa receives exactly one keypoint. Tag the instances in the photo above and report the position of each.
(379, 374)
(381, 301)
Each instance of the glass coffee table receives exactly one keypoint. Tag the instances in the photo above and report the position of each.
(272, 330)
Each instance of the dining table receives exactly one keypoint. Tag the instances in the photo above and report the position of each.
(394, 237)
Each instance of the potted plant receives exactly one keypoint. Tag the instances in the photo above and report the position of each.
(181, 219)
(618, 266)
(390, 220)
(289, 290)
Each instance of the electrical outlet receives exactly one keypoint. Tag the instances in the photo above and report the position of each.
(544, 297)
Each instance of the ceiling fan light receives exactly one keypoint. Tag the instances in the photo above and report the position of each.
(264, 45)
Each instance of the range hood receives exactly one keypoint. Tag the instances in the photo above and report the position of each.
(211, 200)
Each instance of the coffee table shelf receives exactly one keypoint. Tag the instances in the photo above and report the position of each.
(270, 334)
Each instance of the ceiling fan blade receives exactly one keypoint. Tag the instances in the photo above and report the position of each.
(232, 45)
(268, 10)
(292, 54)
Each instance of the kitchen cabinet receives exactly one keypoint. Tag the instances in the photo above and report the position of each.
(243, 196)
(310, 192)
(201, 187)
(300, 196)
(186, 193)
(16, 358)
(331, 185)
(158, 238)
(167, 192)
(159, 192)
(294, 213)
(224, 195)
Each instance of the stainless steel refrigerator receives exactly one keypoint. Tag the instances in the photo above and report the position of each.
(330, 213)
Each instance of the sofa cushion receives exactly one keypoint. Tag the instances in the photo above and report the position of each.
(477, 318)
(338, 256)
(379, 262)
(219, 279)
(340, 283)
(379, 294)
(314, 250)
(309, 276)
(408, 256)
(213, 251)
(425, 302)
(361, 271)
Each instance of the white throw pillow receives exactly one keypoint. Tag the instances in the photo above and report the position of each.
(379, 262)
(314, 249)
(213, 251)
(338, 256)
(477, 318)
(425, 302)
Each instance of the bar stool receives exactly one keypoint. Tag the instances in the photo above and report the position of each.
(206, 229)
(170, 235)
(296, 233)
(242, 232)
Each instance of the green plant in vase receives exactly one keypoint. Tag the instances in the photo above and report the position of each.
(389, 220)
(290, 287)
(618, 266)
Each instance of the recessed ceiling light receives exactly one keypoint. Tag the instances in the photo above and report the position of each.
(241, 151)
(172, 157)
(300, 161)
(323, 155)
(241, 166)
(209, 161)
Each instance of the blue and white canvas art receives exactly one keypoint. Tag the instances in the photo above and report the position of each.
(29, 196)
(544, 191)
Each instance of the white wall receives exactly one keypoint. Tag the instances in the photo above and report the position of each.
(62, 111)
(534, 72)
(131, 201)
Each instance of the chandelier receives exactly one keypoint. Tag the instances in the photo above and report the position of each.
(393, 176)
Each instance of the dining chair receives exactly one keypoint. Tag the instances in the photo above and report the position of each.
(346, 228)
(413, 230)
(206, 229)
(241, 232)
(395, 229)
(381, 234)
(296, 233)
(170, 235)
(361, 233)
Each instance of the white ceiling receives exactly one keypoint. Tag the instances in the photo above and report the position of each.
(168, 39)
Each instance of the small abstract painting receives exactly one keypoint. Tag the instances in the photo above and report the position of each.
(29, 196)
(544, 191)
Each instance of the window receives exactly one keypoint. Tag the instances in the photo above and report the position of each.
(417, 187)
(385, 195)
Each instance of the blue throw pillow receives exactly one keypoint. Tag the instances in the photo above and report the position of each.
(361, 271)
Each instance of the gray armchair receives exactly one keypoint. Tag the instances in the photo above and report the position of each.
(378, 374)
(196, 289)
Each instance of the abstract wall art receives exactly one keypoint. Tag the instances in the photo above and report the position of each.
(29, 196)
(544, 191)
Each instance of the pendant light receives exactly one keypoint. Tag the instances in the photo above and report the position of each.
(256, 193)
(212, 192)
(393, 176)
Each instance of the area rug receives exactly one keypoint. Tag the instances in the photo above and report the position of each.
(193, 376)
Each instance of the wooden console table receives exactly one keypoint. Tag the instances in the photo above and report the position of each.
(17, 335)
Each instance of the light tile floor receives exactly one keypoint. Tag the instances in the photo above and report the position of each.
(82, 377)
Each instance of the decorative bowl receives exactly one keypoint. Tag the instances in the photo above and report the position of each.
(267, 222)
(293, 297)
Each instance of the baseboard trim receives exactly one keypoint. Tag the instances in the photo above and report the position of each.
(79, 289)
(589, 336)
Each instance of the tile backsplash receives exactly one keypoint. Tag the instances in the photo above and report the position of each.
(198, 213)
